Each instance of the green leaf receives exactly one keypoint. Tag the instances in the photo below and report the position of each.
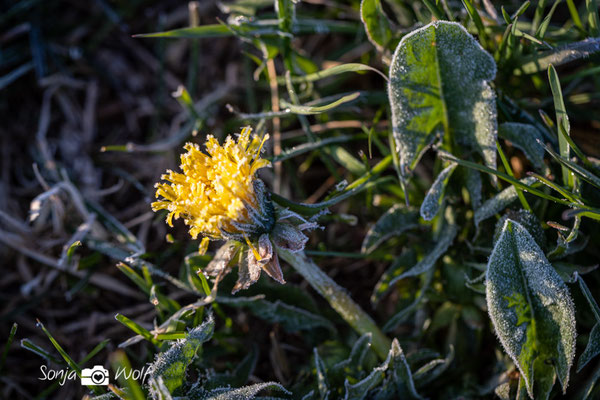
(525, 137)
(393, 222)
(400, 316)
(377, 24)
(157, 389)
(434, 368)
(291, 318)
(244, 393)
(531, 309)
(590, 299)
(172, 364)
(592, 349)
(401, 374)
(499, 202)
(593, 346)
(435, 195)
(445, 238)
(439, 90)
(400, 264)
(322, 383)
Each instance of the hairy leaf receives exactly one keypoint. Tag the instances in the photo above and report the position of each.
(531, 310)
(439, 90)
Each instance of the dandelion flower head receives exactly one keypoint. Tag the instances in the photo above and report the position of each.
(215, 190)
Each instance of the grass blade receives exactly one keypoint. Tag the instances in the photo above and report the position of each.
(309, 110)
(561, 119)
(11, 337)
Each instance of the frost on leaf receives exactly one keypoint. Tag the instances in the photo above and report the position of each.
(394, 222)
(227, 393)
(446, 236)
(592, 349)
(499, 202)
(433, 200)
(439, 91)
(531, 309)
(171, 365)
(525, 137)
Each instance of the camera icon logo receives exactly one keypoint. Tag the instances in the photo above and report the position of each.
(98, 375)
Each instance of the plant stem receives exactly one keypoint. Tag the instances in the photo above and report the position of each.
(339, 299)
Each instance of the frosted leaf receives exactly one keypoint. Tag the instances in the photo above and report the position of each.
(158, 390)
(499, 202)
(528, 220)
(357, 356)
(593, 346)
(531, 309)
(474, 186)
(398, 372)
(592, 349)
(434, 368)
(226, 393)
(406, 259)
(433, 199)
(446, 237)
(394, 222)
(401, 374)
(171, 365)
(322, 383)
(292, 318)
(439, 86)
(525, 137)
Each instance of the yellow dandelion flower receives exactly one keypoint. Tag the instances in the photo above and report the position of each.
(217, 195)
